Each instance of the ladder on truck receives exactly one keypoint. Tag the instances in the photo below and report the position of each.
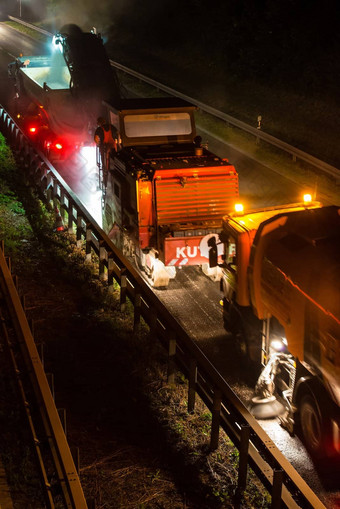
(103, 165)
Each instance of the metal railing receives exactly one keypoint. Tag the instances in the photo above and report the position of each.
(53, 433)
(257, 133)
(29, 25)
(282, 481)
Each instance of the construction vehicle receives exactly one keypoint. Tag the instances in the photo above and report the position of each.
(281, 301)
(59, 96)
(166, 193)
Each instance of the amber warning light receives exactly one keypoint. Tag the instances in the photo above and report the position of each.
(239, 208)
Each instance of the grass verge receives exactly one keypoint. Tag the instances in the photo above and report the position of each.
(38, 36)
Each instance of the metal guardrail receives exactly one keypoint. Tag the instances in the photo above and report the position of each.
(257, 133)
(29, 25)
(64, 467)
(256, 449)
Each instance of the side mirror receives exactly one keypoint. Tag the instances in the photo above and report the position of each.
(212, 252)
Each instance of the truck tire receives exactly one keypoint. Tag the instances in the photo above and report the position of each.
(312, 426)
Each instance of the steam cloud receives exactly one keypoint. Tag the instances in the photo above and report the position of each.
(87, 13)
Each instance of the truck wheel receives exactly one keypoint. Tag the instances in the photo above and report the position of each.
(311, 426)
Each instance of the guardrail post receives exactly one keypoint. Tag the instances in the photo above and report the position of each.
(243, 462)
(110, 263)
(171, 359)
(62, 204)
(215, 423)
(122, 289)
(49, 187)
(277, 489)
(88, 243)
(79, 230)
(192, 378)
(102, 259)
(70, 216)
(55, 192)
(137, 311)
(43, 181)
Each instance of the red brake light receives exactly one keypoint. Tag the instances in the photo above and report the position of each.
(32, 130)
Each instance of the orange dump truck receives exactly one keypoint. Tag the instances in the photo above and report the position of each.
(281, 299)
(166, 193)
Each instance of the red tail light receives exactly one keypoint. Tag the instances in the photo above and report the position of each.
(32, 130)
(58, 146)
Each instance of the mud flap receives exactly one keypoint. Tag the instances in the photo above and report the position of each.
(159, 275)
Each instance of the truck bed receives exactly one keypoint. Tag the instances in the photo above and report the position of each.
(56, 78)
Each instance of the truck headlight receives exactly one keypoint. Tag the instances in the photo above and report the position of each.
(278, 344)
(57, 43)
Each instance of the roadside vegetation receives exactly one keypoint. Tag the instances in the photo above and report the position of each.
(27, 31)
(139, 448)
(14, 226)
